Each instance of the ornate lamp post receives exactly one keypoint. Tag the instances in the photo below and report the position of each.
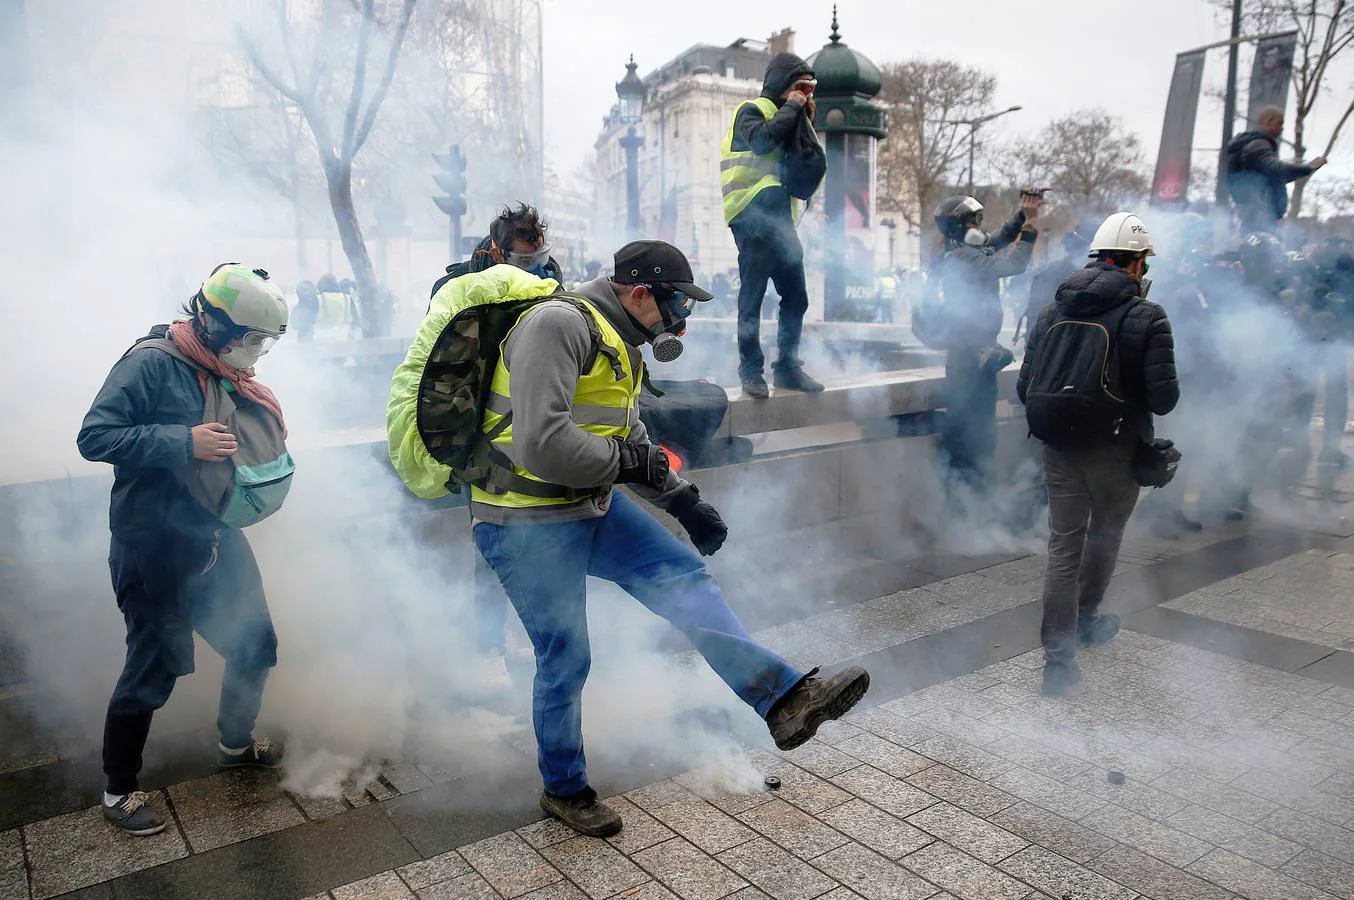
(853, 123)
(631, 92)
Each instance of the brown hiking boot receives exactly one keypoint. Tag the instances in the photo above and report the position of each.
(582, 812)
(796, 717)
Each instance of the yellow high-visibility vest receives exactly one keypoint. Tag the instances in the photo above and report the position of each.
(744, 174)
(605, 403)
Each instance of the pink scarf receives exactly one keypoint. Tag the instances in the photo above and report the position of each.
(183, 336)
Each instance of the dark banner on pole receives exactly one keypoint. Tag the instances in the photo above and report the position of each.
(1170, 185)
(1270, 74)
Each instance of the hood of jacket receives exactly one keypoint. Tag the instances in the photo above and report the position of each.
(604, 298)
(781, 73)
(1241, 140)
(1097, 289)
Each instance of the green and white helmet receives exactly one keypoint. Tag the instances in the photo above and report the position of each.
(247, 298)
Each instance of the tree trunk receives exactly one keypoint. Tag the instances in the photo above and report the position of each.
(298, 223)
(369, 305)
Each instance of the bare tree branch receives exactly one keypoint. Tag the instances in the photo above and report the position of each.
(392, 60)
(264, 69)
(365, 25)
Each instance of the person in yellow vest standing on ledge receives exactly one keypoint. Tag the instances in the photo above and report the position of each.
(770, 165)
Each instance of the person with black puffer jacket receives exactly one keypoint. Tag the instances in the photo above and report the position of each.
(1100, 364)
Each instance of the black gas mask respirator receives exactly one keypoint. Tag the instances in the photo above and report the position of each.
(665, 336)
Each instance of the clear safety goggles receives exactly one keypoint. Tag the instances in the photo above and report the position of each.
(258, 341)
(533, 260)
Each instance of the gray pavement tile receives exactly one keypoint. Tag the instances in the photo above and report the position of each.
(465, 887)
(1154, 878)
(871, 875)
(1251, 879)
(843, 893)
(641, 829)
(319, 808)
(962, 875)
(653, 796)
(703, 825)
(802, 789)
(688, 872)
(509, 864)
(963, 756)
(595, 866)
(443, 867)
(1339, 694)
(884, 791)
(1063, 836)
(903, 732)
(956, 724)
(974, 682)
(1168, 844)
(1223, 798)
(977, 797)
(1132, 795)
(653, 890)
(976, 837)
(1059, 876)
(79, 849)
(1263, 847)
(385, 886)
(1052, 795)
(405, 777)
(907, 706)
(1325, 753)
(1217, 766)
(546, 832)
(791, 828)
(821, 759)
(748, 893)
(834, 731)
(776, 872)
(1312, 833)
(232, 806)
(721, 798)
(875, 828)
(13, 874)
(885, 755)
(560, 890)
(1035, 756)
(1320, 870)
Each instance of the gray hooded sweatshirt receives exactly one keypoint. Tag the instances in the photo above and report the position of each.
(545, 354)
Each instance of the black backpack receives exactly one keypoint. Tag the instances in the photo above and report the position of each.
(1076, 397)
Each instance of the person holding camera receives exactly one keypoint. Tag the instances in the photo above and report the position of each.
(1099, 364)
(771, 163)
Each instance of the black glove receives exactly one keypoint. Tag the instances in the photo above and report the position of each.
(644, 464)
(700, 519)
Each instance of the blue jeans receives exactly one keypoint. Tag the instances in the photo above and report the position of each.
(544, 570)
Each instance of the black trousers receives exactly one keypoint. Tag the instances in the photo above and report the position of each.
(769, 249)
(968, 431)
(164, 597)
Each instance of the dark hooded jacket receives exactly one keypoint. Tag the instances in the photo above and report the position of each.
(142, 422)
(805, 162)
(1145, 344)
(970, 281)
(1257, 179)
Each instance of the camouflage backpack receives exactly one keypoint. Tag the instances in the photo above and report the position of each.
(438, 394)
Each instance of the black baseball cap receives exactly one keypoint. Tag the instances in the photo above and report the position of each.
(657, 262)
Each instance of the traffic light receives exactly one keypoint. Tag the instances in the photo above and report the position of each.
(451, 180)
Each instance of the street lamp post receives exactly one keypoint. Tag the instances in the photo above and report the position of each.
(892, 226)
(630, 90)
(972, 137)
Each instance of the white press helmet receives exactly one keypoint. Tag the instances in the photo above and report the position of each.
(1122, 233)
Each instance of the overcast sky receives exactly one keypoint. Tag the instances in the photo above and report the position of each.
(1050, 56)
